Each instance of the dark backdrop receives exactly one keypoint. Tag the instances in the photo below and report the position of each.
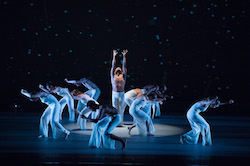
(197, 48)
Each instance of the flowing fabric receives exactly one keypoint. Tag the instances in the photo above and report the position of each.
(198, 125)
(142, 120)
(52, 112)
(108, 124)
(94, 94)
(118, 103)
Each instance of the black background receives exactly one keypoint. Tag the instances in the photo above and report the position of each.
(197, 48)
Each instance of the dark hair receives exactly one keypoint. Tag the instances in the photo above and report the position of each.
(76, 92)
(152, 96)
(92, 105)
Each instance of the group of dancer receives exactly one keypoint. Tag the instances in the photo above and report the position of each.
(144, 104)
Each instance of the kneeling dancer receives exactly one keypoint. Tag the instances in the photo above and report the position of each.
(108, 118)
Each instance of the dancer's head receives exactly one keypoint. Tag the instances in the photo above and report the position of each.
(215, 102)
(92, 105)
(153, 97)
(76, 92)
(118, 71)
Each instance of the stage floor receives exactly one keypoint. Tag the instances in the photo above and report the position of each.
(20, 145)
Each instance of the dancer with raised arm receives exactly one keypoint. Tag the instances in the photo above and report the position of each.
(65, 100)
(118, 80)
(198, 124)
(142, 120)
(83, 98)
(107, 119)
(51, 113)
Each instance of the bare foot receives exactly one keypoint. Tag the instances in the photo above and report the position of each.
(41, 136)
(67, 133)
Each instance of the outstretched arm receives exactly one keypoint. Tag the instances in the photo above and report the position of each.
(35, 95)
(124, 65)
(75, 82)
(89, 84)
(229, 102)
(42, 88)
(112, 71)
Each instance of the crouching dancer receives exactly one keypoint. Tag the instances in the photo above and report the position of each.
(108, 118)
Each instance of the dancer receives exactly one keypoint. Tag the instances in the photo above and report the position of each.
(198, 124)
(142, 120)
(132, 94)
(118, 80)
(83, 98)
(66, 99)
(93, 92)
(51, 113)
(108, 118)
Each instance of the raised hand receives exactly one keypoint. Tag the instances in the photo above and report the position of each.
(115, 52)
(124, 52)
(23, 91)
(40, 86)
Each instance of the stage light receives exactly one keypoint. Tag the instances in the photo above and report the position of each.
(161, 130)
(157, 37)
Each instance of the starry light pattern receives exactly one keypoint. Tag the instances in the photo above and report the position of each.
(190, 46)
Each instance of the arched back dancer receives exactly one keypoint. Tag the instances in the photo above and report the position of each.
(51, 113)
(198, 124)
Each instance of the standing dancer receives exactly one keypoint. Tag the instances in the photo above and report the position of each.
(118, 80)
(51, 113)
(66, 99)
(198, 123)
(108, 118)
(83, 98)
(142, 120)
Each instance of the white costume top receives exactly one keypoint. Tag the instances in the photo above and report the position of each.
(63, 92)
(50, 99)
